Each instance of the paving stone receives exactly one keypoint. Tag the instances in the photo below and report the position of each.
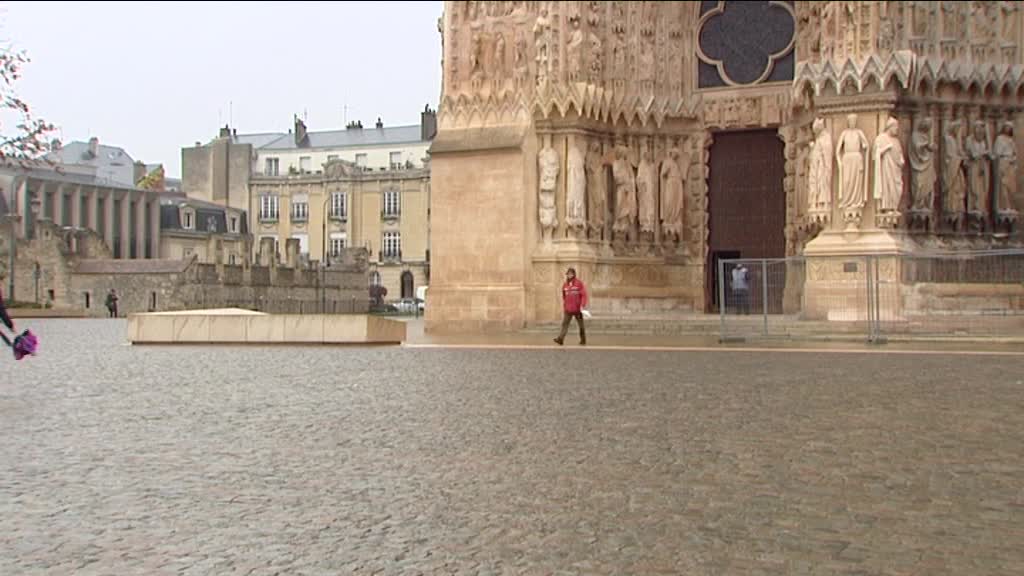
(246, 460)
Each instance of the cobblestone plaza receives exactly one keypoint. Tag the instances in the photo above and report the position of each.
(322, 460)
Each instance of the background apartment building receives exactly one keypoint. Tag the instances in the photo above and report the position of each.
(356, 187)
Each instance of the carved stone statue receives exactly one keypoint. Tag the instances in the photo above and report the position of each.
(596, 59)
(978, 169)
(477, 57)
(576, 189)
(851, 155)
(520, 65)
(540, 42)
(574, 49)
(1009, 20)
(597, 193)
(647, 190)
(819, 185)
(1005, 153)
(889, 164)
(547, 166)
(625, 191)
(922, 162)
(499, 56)
(673, 186)
(953, 170)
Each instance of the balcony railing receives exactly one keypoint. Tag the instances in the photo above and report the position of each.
(391, 256)
(300, 217)
(268, 217)
(390, 214)
(338, 217)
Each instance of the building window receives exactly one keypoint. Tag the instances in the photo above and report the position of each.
(231, 259)
(337, 244)
(361, 160)
(332, 157)
(300, 211)
(269, 208)
(338, 208)
(391, 246)
(233, 225)
(374, 278)
(305, 164)
(273, 167)
(189, 220)
(396, 160)
(392, 204)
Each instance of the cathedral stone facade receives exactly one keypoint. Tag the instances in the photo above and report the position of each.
(641, 142)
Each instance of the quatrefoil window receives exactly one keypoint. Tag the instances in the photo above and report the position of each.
(744, 43)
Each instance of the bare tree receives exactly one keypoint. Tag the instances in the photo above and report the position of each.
(28, 141)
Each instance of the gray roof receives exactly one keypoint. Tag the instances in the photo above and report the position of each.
(109, 161)
(77, 153)
(352, 137)
(210, 217)
(257, 140)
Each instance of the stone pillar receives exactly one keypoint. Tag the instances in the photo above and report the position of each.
(126, 225)
(108, 220)
(141, 202)
(92, 209)
(23, 207)
(154, 227)
(76, 207)
(60, 216)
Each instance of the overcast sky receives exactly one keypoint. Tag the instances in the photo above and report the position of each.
(152, 77)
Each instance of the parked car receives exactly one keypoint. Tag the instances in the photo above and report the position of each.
(408, 305)
(421, 295)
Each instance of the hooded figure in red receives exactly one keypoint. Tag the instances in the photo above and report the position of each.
(574, 300)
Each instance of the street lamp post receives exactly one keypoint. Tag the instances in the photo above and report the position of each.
(323, 258)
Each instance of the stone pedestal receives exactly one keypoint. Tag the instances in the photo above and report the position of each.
(841, 269)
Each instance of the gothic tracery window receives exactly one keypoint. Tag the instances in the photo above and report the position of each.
(745, 43)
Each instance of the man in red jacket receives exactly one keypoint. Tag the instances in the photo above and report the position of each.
(574, 300)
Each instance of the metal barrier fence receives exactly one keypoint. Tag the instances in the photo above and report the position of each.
(965, 294)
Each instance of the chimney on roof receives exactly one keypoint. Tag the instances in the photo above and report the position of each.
(225, 132)
(428, 123)
(94, 147)
(380, 124)
(301, 139)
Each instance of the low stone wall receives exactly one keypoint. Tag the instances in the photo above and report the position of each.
(225, 327)
(947, 299)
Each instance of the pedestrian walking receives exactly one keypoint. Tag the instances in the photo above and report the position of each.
(574, 303)
(112, 303)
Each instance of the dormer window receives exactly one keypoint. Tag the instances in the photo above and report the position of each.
(188, 218)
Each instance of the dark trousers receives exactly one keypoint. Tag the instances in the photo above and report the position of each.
(741, 300)
(566, 318)
(113, 311)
